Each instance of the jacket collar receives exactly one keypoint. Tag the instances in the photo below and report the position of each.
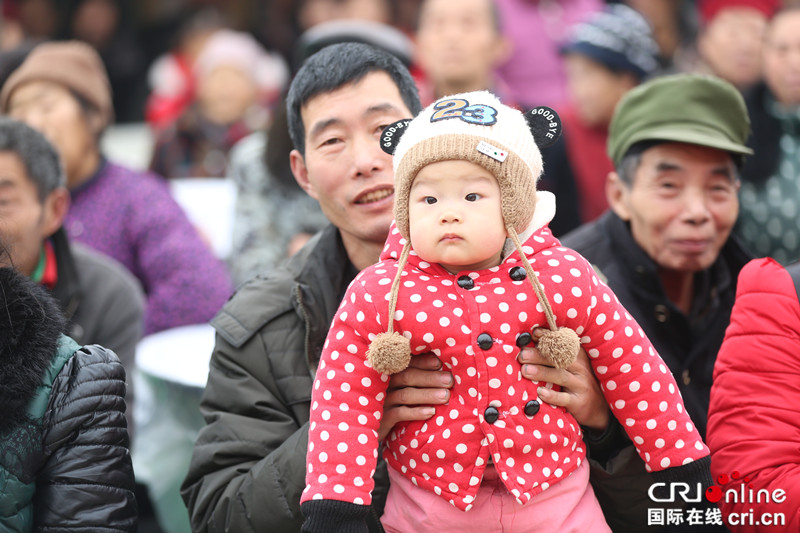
(67, 290)
(323, 271)
(636, 265)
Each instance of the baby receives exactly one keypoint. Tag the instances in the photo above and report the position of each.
(469, 270)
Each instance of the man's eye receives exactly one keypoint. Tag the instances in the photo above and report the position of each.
(328, 142)
(430, 200)
(471, 197)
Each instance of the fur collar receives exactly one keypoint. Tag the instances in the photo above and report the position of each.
(30, 325)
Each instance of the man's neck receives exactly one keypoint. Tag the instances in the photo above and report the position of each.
(361, 253)
(679, 287)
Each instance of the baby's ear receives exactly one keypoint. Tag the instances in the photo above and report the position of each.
(391, 135)
(545, 125)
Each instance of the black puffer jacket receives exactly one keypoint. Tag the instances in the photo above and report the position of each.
(64, 460)
(249, 463)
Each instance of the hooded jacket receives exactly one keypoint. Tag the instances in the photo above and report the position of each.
(476, 322)
(753, 427)
(64, 460)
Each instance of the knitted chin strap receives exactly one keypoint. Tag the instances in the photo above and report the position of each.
(389, 352)
(560, 346)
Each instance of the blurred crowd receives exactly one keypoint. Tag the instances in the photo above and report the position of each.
(207, 79)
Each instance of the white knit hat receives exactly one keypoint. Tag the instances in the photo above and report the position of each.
(473, 127)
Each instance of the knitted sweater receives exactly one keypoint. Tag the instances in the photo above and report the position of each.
(475, 322)
(131, 217)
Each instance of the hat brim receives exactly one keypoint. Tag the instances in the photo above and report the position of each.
(690, 134)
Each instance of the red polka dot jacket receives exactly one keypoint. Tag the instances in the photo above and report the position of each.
(475, 322)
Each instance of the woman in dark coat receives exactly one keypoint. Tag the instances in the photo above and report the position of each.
(64, 459)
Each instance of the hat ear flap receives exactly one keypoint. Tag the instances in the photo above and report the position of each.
(391, 134)
(545, 125)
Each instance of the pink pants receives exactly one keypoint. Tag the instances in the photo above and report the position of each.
(567, 506)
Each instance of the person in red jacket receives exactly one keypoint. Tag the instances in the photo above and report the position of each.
(458, 267)
(753, 427)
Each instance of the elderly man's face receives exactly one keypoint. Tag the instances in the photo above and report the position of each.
(681, 205)
(25, 222)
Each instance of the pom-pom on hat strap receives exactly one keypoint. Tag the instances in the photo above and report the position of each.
(390, 352)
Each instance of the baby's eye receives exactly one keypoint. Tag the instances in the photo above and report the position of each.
(430, 200)
(472, 197)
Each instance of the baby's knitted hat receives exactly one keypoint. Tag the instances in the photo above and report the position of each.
(473, 127)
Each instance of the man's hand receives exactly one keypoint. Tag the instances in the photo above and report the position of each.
(580, 392)
(413, 392)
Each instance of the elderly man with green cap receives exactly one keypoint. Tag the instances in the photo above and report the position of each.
(665, 245)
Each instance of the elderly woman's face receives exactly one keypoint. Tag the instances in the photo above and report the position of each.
(54, 111)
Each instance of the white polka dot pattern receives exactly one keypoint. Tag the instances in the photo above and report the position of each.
(474, 333)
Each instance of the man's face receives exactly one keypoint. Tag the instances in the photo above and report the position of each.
(595, 90)
(681, 205)
(782, 57)
(732, 44)
(53, 111)
(344, 167)
(458, 46)
(24, 221)
(455, 216)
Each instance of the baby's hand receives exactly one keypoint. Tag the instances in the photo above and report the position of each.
(580, 392)
(413, 392)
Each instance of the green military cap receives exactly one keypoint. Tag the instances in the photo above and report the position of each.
(688, 108)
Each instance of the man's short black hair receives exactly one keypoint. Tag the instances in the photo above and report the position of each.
(341, 64)
(40, 159)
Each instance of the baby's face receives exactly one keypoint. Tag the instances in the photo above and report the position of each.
(455, 216)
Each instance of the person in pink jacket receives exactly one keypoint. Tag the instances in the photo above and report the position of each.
(469, 270)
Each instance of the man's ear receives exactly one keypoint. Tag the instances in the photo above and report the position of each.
(300, 172)
(618, 195)
(54, 211)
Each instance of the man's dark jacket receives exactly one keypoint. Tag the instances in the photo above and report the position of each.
(688, 345)
(765, 137)
(249, 463)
